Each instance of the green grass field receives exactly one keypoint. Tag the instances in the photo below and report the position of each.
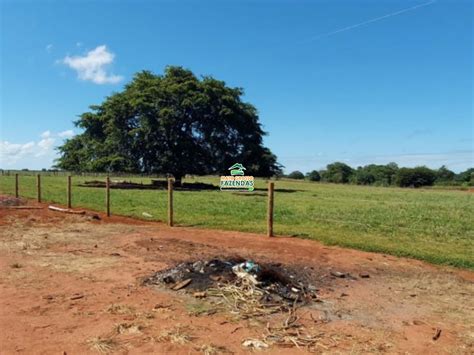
(432, 225)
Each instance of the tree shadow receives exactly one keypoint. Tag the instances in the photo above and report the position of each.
(185, 186)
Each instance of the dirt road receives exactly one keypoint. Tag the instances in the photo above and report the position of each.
(72, 284)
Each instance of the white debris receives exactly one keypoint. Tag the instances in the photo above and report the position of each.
(254, 343)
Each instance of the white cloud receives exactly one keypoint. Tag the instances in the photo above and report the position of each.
(49, 48)
(46, 134)
(45, 146)
(93, 66)
(66, 134)
(33, 155)
(12, 152)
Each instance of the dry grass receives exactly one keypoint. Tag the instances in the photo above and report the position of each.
(211, 349)
(120, 309)
(176, 335)
(104, 344)
(32, 236)
(244, 300)
(128, 328)
(29, 236)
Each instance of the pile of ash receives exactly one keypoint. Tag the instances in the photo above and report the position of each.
(248, 290)
(273, 283)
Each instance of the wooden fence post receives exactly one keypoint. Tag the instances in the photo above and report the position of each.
(270, 210)
(69, 192)
(38, 186)
(16, 186)
(107, 195)
(170, 202)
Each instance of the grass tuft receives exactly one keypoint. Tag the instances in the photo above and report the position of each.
(103, 344)
(177, 335)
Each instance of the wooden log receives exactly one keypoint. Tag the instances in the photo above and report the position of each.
(170, 202)
(270, 210)
(65, 210)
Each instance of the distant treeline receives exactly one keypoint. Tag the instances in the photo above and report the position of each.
(387, 175)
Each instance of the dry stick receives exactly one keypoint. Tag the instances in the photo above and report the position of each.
(16, 186)
(69, 192)
(170, 202)
(270, 210)
(65, 210)
(107, 195)
(38, 186)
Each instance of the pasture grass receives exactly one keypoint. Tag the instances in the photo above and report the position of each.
(428, 224)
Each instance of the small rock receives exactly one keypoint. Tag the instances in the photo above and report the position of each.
(364, 275)
(199, 294)
(344, 294)
(338, 274)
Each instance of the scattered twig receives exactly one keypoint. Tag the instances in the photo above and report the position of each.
(437, 334)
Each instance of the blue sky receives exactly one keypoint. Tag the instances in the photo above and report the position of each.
(354, 81)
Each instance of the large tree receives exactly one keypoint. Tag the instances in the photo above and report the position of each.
(173, 123)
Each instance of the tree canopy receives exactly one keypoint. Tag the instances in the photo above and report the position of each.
(296, 175)
(337, 172)
(313, 176)
(391, 175)
(173, 123)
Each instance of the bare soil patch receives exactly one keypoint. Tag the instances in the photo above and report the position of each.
(75, 284)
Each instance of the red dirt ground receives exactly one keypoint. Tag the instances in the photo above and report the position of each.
(66, 281)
